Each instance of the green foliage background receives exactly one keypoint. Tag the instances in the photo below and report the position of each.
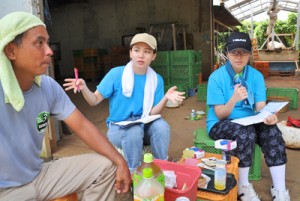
(281, 27)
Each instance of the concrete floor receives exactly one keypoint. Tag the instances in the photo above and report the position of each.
(182, 134)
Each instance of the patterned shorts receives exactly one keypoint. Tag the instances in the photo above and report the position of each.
(268, 137)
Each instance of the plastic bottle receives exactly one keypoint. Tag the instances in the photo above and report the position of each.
(220, 175)
(193, 114)
(226, 155)
(148, 189)
(148, 163)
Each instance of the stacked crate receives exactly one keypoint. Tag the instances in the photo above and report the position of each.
(78, 59)
(106, 62)
(119, 56)
(263, 67)
(185, 67)
(89, 63)
(162, 66)
(92, 68)
(180, 68)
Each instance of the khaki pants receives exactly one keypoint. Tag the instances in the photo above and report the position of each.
(91, 175)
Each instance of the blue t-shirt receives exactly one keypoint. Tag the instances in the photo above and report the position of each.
(220, 89)
(22, 133)
(120, 106)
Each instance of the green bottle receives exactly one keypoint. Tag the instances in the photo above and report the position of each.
(148, 163)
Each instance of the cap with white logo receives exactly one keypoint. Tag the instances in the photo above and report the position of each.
(238, 40)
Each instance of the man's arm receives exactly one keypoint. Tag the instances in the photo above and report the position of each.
(100, 144)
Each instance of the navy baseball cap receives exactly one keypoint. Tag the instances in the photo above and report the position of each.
(238, 40)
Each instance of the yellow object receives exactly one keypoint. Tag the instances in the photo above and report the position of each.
(188, 153)
(220, 175)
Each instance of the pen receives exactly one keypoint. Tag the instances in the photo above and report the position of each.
(76, 78)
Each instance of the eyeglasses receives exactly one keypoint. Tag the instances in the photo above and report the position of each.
(240, 52)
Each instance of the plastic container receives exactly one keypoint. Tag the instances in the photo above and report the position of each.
(226, 156)
(182, 199)
(186, 175)
(148, 188)
(148, 163)
(220, 175)
(225, 144)
(203, 181)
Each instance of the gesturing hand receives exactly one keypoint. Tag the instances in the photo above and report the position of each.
(71, 83)
(175, 96)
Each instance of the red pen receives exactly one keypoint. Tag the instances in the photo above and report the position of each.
(76, 78)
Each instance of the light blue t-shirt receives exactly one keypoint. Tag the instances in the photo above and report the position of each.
(120, 106)
(22, 133)
(220, 89)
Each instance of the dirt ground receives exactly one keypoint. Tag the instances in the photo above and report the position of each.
(182, 134)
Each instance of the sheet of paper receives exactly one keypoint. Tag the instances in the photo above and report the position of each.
(144, 120)
(252, 119)
(274, 107)
(270, 108)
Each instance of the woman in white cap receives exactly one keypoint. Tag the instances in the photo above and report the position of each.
(134, 91)
(238, 90)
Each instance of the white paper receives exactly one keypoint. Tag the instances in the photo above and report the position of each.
(270, 108)
(273, 106)
(144, 120)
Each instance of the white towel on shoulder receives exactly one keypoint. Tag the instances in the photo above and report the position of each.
(150, 86)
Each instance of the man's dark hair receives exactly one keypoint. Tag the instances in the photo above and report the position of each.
(18, 39)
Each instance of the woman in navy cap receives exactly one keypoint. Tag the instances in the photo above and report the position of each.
(238, 90)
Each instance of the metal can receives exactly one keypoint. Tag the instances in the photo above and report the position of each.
(226, 156)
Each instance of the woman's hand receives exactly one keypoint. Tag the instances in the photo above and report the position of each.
(271, 119)
(71, 83)
(175, 96)
(240, 93)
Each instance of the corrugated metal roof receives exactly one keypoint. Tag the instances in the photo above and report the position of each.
(242, 9)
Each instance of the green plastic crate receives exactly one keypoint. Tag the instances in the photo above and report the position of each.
(202, 92)
(185, 71)
(180, 87)
(163, 71)
(185, 57)
(204, 142)
(162, 59)
(291, 93)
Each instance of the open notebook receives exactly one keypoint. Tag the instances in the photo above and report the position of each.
(144, 120)
(270, 108)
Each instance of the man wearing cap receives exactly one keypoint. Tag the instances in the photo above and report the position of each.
(27, 99)
(238, 90)
(134, 91)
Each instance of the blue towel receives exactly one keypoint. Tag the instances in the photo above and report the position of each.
(12, 25)
(241, 78)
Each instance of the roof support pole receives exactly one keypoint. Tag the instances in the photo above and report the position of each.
(296, 42)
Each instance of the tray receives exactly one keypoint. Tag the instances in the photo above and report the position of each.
(230, 182)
